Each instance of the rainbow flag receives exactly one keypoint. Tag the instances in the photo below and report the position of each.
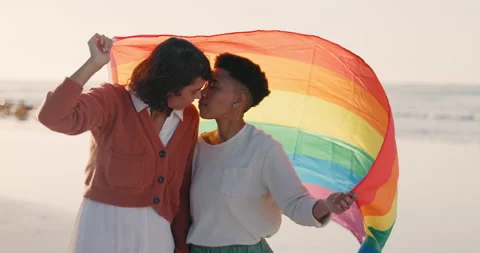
(327, 108)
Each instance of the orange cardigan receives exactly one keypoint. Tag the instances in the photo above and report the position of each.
(128, 165)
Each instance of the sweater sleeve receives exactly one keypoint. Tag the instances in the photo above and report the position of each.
(67, 110)
(182, 221)
(287, 189)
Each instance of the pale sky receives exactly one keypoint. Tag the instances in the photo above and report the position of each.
(408, 41)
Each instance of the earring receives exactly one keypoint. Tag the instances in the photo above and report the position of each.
(234, 105)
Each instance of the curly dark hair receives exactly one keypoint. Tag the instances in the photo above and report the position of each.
(173, 65)
(247, 73)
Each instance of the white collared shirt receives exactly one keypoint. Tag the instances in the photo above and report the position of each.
(240, 189)
(170, 124)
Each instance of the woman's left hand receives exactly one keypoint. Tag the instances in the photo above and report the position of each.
(340, 202)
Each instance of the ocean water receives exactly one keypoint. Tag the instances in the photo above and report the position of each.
(450, 113)
(423, 112)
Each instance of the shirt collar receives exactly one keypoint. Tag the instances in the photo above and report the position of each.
(140, 105)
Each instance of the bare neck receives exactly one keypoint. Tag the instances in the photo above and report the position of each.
(227, 128)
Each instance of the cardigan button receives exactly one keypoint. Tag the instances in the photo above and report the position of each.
(160, 179)
(162, 153)
(156, 200)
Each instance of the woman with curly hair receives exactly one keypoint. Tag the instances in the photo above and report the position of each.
(143, 140)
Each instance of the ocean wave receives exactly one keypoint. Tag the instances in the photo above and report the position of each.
(438, 116)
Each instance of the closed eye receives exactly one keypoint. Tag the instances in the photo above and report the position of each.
(212, 84)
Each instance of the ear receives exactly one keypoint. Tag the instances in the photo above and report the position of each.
(241, 98)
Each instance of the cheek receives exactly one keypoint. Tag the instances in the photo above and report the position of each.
(219, 105)
(178, 102)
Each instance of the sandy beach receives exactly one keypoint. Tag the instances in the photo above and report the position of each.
(41, 186)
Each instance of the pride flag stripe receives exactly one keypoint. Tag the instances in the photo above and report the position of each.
(381, 236)
(370, 245)
(332, 177)
(383, 222)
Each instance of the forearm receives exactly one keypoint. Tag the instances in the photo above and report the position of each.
(67, 110)
(85, 72)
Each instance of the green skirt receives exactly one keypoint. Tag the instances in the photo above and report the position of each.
(261, 247)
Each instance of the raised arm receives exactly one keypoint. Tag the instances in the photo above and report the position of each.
(66, 109)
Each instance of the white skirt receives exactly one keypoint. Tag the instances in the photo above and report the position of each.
(111, 229)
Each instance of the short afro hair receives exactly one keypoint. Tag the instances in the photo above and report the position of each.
(247, 73)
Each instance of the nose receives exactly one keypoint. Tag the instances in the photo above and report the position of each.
(203, 93)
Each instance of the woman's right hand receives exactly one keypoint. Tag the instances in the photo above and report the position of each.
(99, 46)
